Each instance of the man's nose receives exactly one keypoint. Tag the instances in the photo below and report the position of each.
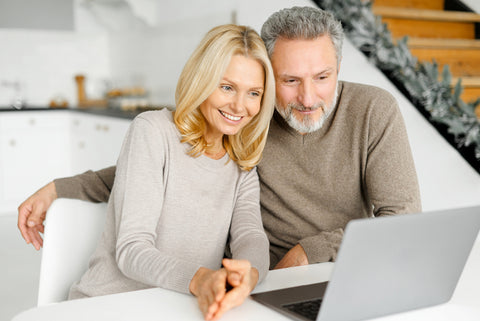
(306, 94)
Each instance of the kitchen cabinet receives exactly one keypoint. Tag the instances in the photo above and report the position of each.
(33, 149)
(96, 141)
(38, 146)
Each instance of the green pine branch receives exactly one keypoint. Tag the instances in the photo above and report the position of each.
(422, 80)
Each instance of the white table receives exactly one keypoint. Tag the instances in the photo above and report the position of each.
(160, 304)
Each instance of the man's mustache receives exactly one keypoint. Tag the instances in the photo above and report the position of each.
(300, 107)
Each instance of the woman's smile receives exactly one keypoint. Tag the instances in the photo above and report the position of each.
(230, 116)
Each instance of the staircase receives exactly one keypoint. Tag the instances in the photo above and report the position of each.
(449, 37)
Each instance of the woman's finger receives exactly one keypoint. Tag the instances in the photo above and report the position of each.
(236, 271)
(232, 299)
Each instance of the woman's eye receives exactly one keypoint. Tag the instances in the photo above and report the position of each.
(226, 87)
(255, 93)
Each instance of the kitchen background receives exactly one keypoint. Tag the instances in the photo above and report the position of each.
(139, 44)
(114, 43)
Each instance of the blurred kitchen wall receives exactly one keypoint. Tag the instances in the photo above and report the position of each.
(114, 43)
(38, 58)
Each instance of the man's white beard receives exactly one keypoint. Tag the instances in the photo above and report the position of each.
(307, 124)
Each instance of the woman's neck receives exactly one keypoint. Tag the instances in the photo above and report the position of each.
(215, 155)
(215, 148)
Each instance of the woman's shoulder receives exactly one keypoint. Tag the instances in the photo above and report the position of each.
(155, 119)
(156, 116)
(158, 123)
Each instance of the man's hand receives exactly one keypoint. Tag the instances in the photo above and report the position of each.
(32, 213)
(295, 257)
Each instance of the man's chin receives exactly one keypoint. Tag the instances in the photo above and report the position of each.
(303, 122)
(305, 125)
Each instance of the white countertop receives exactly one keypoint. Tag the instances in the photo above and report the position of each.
(160, 304)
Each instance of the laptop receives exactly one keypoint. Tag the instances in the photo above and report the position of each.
(387, 265)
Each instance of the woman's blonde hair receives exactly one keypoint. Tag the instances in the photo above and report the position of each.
(202, 75)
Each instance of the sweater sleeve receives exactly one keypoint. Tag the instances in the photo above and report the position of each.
(138, 196)
(247, 237)
(390, 176)
(322, 247)
(89, 186)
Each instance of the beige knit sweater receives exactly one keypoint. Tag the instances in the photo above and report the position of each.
(359, 164)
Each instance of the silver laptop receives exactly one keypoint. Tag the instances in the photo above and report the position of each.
(387, 265)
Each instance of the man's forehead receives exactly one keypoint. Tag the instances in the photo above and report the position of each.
(285, 48)
(304, 73)
(303, 56)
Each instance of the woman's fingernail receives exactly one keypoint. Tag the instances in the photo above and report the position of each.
(31, 223)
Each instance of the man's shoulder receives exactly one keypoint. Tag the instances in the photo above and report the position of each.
(365, 91)
(362, 102)
(356, 98)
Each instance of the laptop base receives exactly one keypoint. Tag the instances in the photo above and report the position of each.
(278, 299)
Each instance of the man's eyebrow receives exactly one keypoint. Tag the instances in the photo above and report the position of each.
(325, 71)
(285, 75)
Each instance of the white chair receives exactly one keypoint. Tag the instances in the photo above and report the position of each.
(72, 230)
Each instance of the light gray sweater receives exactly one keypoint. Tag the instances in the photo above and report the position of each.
(170, 214)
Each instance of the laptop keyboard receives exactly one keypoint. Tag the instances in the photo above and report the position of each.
(308, 309)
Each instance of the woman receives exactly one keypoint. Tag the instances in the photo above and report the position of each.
(186, 182)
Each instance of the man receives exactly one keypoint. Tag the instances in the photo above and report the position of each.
(336, 151)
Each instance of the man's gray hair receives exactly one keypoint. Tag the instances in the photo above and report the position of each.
(302, 23)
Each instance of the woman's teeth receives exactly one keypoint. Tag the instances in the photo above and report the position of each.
(231, 117)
